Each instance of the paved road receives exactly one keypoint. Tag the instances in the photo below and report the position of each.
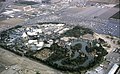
(109, 13)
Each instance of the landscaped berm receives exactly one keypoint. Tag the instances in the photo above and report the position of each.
(58, 45)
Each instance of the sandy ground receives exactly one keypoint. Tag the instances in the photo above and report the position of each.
(111, 42)
(22, 65)
(9, 23)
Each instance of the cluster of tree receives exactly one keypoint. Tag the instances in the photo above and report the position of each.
(38, 73)
(28, 2)
(59, 52)
(74, 62)
(100, 50)
(101, 40)
(78, 31)
(5, 34)
(77, 46)
(50, 23)
(118, 42)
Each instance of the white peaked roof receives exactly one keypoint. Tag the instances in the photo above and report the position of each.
(60, 25)
(27, 28)
(24, 35)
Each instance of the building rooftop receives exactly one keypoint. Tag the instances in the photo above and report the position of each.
(113, 69)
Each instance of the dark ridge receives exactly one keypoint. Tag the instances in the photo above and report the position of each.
(116, 16)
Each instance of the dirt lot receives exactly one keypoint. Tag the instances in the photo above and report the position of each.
(9, 23)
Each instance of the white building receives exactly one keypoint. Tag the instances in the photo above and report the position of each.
(113, 69)
(7, 12)
(33, 32)
(35, 44)
(62, 31)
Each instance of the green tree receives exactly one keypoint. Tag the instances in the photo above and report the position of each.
(37, 72)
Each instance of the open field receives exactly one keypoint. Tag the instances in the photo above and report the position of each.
(9, 23)
(12, 21)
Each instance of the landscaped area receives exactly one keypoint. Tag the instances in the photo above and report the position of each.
(58, 46)
(77, 31)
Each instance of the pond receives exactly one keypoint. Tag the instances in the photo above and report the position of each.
(76, 54)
